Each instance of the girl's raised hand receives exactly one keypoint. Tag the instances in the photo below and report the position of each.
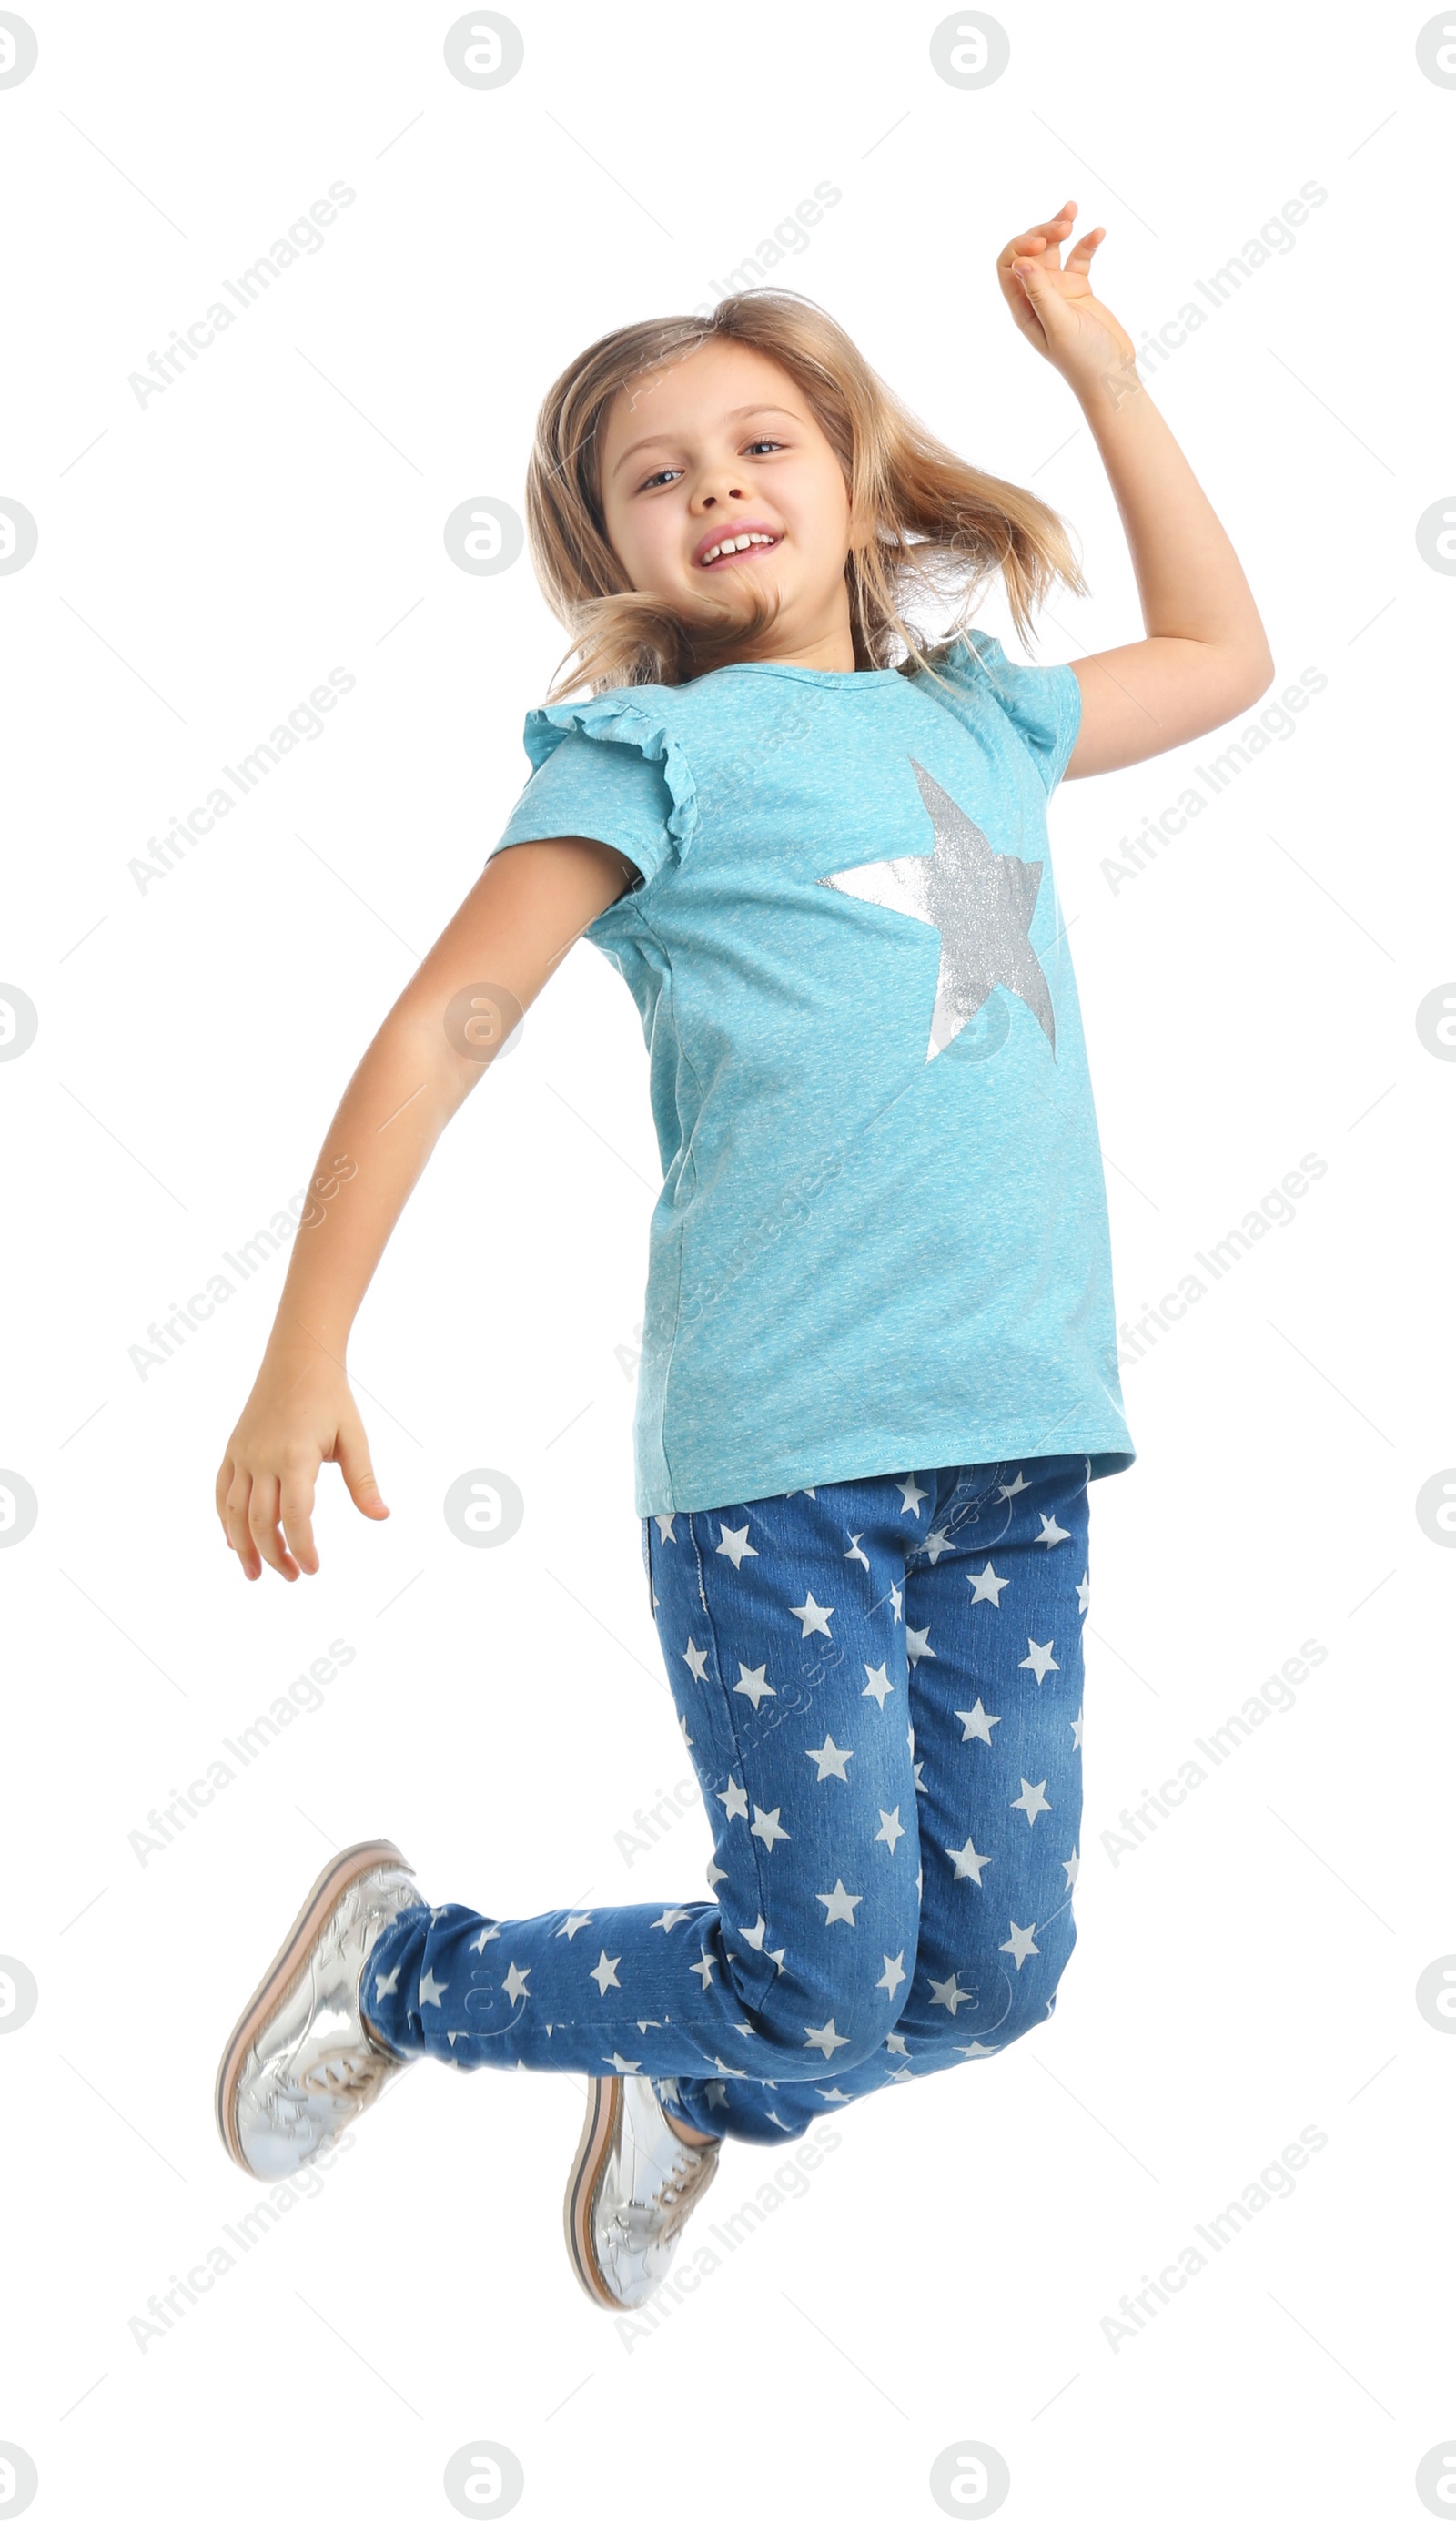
(1054, 306)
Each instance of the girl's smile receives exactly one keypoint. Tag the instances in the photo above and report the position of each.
(741, 536)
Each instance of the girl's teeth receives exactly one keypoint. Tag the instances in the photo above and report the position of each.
(735, 545)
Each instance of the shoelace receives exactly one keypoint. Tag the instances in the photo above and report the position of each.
(679, 2192)
(342, 2076)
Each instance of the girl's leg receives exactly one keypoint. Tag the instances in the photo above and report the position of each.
(781, 1627)
(995, 1598)
(999, 1731)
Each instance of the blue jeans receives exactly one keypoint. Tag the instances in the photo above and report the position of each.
(880, 1687)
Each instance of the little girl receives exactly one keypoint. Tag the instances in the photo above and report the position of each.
(879, 1363)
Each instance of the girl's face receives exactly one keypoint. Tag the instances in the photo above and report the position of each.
(722, 445)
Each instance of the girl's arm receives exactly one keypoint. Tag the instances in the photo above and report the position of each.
(1205, 657)
(512, 931)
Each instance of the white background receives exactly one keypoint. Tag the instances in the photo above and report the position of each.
(1251, 997)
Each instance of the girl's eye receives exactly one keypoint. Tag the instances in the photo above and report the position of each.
(663, 472)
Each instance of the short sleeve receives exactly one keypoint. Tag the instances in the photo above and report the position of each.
(611, 794)
(1043, 705)
(611, 769)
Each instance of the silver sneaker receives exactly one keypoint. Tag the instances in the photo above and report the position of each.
(301, 2063)
(632, 2186)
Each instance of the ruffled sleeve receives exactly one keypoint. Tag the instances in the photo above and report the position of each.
(1043, 705)
(609, 768)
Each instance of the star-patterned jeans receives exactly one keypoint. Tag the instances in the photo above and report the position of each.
(880, 1682)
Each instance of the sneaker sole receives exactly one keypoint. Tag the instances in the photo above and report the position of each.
(599, 2136)
(284, 1968)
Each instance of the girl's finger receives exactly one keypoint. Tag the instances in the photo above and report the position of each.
(351, 1451)
(239, 1535)
(1042, 307)
(1034, 240)
(296, 1509)
(1080, 256)
(263, 1523)
(219, 1497)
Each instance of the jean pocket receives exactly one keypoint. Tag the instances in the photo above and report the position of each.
(647, 1565)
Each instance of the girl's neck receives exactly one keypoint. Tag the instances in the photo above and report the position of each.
(832, 649)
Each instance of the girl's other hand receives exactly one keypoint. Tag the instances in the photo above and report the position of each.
(1055, 309)
(301, 1413)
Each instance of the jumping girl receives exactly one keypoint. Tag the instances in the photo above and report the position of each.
(879, 1363)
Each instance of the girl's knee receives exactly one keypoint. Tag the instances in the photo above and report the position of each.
(1025, 2010)
(837, 2014)
(990, 2000)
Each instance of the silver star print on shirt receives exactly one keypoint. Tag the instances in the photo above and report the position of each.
(981, 904)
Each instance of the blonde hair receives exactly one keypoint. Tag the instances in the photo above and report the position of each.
(927, 525)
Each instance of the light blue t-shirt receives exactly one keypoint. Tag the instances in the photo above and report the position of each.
(881, 1244)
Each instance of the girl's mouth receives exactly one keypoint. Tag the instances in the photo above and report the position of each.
(750, 541)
